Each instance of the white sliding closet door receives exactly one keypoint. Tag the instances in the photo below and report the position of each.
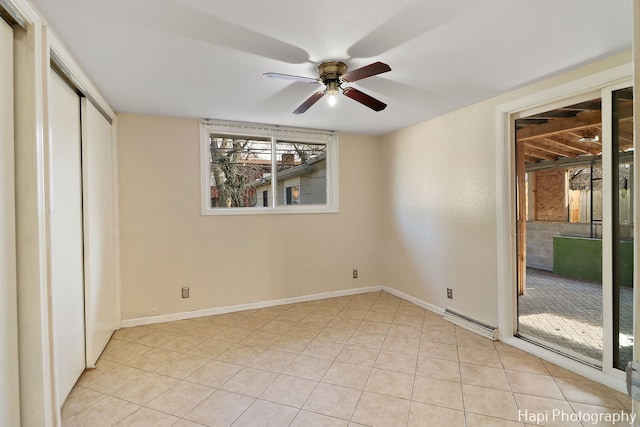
(9, 382)
(67, 270)
(99, 228)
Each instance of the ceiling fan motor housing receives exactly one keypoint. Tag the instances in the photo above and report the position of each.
(331, 71)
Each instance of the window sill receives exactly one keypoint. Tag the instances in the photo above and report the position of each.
(271, 211)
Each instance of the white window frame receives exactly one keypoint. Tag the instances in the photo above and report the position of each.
(275, 133)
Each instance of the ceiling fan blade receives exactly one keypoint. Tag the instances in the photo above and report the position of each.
(309, 102)
(364, 99)
(299, 79)
(366, 71)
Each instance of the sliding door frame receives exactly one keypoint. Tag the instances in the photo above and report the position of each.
(34, 47)
(620, 76)
(521, 234)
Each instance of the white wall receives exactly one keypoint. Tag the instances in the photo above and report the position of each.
(440, 221)
(227, 260)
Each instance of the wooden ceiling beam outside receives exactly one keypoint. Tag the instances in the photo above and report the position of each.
(568, 145)
(558, 138)
(625, 111)
(550, 147)
(625, 138)
(625, 134)
(626, 125)
(582, 121)
(571, 140)
(542, 155)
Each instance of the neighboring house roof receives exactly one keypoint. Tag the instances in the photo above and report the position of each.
(300, 170)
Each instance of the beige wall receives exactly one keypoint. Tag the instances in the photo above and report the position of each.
(441, 229)
(229, 260)
(418, 213)
(440, 221)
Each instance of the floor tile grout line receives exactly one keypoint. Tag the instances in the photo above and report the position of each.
(398, 318)
(366, 382)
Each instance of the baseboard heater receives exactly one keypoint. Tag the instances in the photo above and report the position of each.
(472, 325)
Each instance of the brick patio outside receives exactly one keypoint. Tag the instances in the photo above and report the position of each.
(567, 312)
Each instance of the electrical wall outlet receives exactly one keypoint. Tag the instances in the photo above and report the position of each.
(450, 293)
(185, 292)
(355, 273)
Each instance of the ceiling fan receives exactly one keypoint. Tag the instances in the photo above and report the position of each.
(332, 74)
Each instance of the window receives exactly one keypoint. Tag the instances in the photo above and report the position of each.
(261, 169)
(292, 196)
(584, 194)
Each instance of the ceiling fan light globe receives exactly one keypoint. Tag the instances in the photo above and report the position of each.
(333, 88)
(332, 99)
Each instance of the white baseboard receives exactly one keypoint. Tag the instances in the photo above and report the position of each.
(139, 321)
(416, 301)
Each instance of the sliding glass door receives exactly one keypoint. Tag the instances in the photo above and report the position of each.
(574, 174)
(622, 225)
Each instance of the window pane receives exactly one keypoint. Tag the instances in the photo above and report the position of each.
(623, 204)
(584, 195)
(240, 170)
(559, 239)
(301, 176)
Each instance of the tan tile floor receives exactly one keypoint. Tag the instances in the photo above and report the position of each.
(365, 360)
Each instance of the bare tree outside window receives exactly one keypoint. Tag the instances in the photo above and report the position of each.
(236, 163)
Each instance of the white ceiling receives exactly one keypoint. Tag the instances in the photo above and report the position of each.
(205, 58)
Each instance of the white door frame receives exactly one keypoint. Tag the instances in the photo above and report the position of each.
(9, 380)
(506, 214)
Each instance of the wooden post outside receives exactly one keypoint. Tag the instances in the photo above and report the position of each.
(521, 223)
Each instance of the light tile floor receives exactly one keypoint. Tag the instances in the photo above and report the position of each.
(365, 360)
